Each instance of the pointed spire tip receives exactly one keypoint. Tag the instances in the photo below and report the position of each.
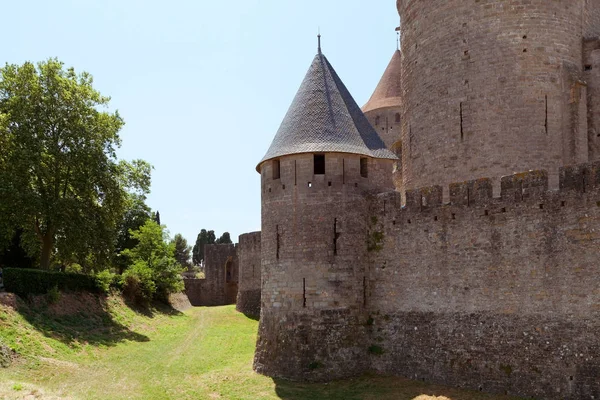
(319, 40)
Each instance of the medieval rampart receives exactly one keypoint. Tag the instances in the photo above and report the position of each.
(496, 294)
(221, 277)
(248, 298)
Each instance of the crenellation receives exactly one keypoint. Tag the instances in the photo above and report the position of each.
(424, 198)
(471, 192)
(580, 178)
(525, 185)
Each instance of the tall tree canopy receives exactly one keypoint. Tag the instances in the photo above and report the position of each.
(153, 265)
(136, 214)
(224, 239)
(182, 251)
(60, 180)
(204, 237)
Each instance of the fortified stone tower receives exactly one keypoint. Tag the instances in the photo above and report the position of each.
(492, 87)
(384, 109)
(315, 176)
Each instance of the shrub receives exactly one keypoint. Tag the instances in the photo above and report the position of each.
(105, 280)
(375, 349)
(137, 282)
(34, 281)
(53, 295)
(155, 273)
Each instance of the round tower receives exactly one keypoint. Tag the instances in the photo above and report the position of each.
(384, 111)
(492, 87)
(315, 176)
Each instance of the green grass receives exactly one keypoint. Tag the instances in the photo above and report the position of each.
(114, 352)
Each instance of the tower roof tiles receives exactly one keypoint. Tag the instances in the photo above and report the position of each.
(324, 117)
(389, 90)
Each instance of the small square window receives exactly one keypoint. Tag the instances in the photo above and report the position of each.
(319, 164)
(364, 167)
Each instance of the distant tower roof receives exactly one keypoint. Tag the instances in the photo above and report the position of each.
(389, 90)
(325, 118)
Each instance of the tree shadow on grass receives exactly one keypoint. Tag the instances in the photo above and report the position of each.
(152, 309)
(84, 318)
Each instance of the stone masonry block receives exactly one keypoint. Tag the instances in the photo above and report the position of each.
(471, 192)
(580, 178)
(524, 185)
(423, 198)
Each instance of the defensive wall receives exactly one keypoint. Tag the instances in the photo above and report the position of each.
(248, 297)
(313, 254)
(493, 87)
(220, 285)
(495, 294)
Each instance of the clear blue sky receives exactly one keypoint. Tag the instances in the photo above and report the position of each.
(203, 85)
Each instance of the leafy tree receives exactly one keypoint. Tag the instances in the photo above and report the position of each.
(224, 239)
(154, 271)
(60, 181)
(136, 214)
(14, 255)
(204, 237)
(182, 251)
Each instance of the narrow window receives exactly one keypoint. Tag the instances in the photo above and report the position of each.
(277, 240)
(588, 67)
(462, 131)
(364, 167)
(295, 174)
(319, 161)
(546, 121)
(397, 118)
(377, 119)
(364, 290)
(303, 292)
(336, 235)
(276, 169)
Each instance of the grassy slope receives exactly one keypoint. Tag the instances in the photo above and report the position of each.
(204, 353)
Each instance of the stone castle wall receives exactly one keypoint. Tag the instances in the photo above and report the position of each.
(313, 254)
(220, 285)
(387, 124)
(492, 87)
(248, 298)
(591, 75)
(495, 294)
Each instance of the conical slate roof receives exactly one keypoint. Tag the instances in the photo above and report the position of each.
(389, 90)
(325, 118)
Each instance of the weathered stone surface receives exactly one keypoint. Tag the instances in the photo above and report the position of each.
(248, 298)
(220, 285)
(494, 87)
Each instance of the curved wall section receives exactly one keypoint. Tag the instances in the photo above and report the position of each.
(491, 87)
(313, 254)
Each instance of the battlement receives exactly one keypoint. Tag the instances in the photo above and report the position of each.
(530, 186)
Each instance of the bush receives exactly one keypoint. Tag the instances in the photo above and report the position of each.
(53, 295)
(106, 280)
(138, 283)
(24, 282)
